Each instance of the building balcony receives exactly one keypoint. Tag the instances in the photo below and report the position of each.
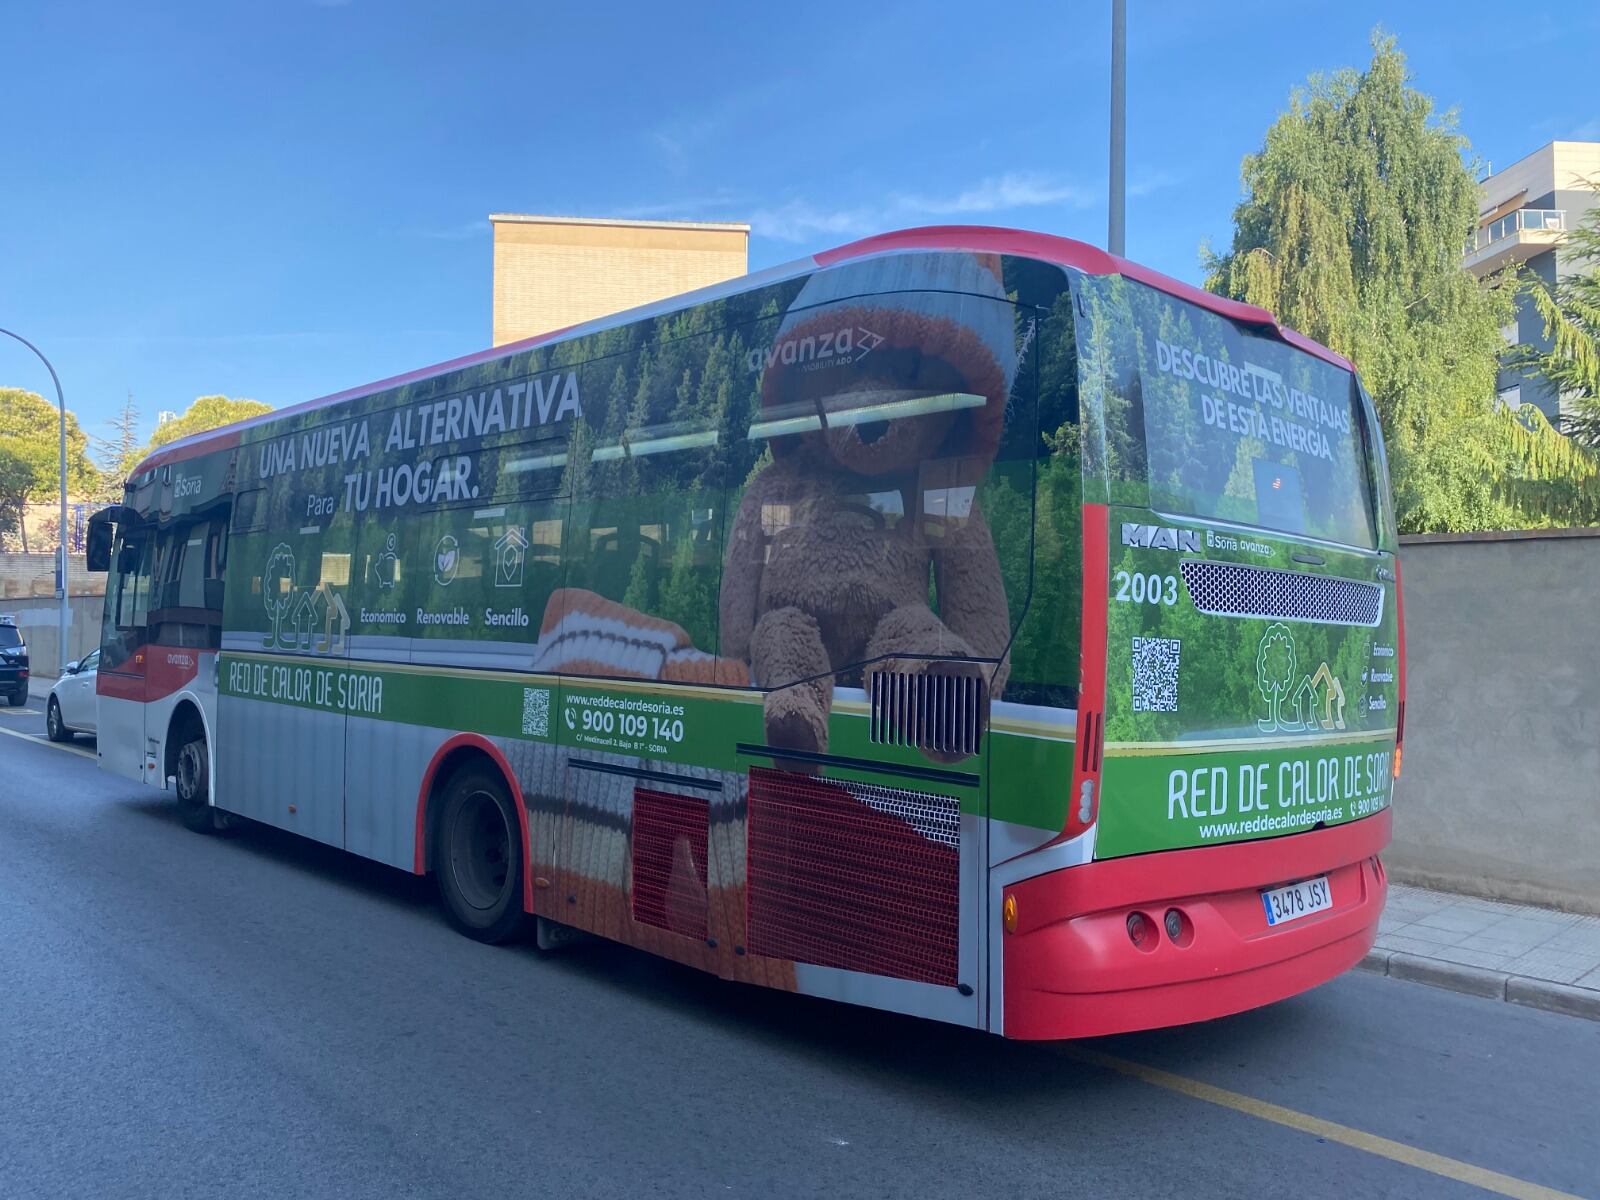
(1514, 238)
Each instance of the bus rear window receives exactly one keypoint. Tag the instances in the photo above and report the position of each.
(1245, 429)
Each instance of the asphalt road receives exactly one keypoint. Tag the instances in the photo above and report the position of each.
(254, 1015)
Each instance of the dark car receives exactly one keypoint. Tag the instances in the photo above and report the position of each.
(13, 663)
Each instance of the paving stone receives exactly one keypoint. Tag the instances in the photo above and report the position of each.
(1401, 943)
(1416, 931)
(1494, 945)
(1530, 932)
(1458, 919)
(1474, 958)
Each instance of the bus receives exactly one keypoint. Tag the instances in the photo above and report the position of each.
(963, 622)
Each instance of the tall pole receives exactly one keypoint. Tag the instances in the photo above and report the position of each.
(64, 616)
(1117, 218)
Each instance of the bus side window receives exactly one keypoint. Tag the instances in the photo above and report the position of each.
(186, 593)
(1034, 503)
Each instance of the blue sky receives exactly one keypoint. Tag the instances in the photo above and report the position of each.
(282, 198)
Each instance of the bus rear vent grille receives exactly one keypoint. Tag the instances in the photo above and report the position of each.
(854, 876)
(1237, 590)
(943, 713)
(669, 861)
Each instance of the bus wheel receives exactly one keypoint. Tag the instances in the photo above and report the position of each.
(478, 857)
(193, 778)
(54, 727)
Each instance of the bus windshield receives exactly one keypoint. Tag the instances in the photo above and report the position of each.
(1243, 428)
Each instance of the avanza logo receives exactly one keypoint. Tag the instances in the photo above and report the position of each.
(186, 485)
(833, 348)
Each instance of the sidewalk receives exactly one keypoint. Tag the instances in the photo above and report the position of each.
(1516, 952)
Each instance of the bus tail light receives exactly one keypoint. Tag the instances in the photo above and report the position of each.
(1141, 931)
(1083, 800)
(1400, 666)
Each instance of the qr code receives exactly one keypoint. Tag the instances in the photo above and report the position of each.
(1155, 674)
(535, 712)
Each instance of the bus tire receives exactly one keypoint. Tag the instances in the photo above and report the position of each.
(54, 727)
(478, 857)
(192, 782)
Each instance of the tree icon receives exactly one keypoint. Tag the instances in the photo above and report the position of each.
(277, 588)
(1275, 663)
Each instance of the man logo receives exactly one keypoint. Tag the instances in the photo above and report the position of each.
(1160, 537)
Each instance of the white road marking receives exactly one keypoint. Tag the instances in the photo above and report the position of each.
(49, 745)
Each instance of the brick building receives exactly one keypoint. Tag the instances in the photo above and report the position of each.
(551, 272)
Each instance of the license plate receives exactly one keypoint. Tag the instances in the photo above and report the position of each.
(1297, 900)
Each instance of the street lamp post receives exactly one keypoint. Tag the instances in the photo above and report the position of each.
(61, 549)
(1117, 217)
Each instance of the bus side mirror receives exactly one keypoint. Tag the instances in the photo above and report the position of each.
(97, 543)
(128, 560)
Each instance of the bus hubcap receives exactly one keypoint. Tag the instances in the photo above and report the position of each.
(480, 850)
(189, 772)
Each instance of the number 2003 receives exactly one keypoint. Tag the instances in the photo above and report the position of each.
(1138, 588)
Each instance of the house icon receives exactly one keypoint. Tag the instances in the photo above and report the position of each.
(510, 552)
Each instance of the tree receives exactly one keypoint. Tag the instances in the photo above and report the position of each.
(205, 414)
(1571, 314)
(18, 479)
(115, 452)
(1351, 230)
(31, 427)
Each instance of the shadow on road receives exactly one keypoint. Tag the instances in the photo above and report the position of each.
(906, 1054)
(283, 848)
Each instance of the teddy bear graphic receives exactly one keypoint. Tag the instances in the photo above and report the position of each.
(877, 449)
(872, 495)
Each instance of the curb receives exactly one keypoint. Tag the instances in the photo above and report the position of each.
(1494, 985)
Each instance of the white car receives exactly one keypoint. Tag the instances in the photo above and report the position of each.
(71, 707)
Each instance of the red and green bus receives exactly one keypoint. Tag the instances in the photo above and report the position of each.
(962, 622)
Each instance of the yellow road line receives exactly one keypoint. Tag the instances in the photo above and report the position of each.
(49, 745)
(1411, 1156)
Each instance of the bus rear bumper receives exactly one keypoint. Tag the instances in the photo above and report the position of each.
(1072, 970)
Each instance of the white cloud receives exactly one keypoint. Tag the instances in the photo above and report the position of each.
(799, 220)
(1153, 182)
(998, 194)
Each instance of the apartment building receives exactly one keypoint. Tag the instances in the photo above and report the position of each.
(1527, 209)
